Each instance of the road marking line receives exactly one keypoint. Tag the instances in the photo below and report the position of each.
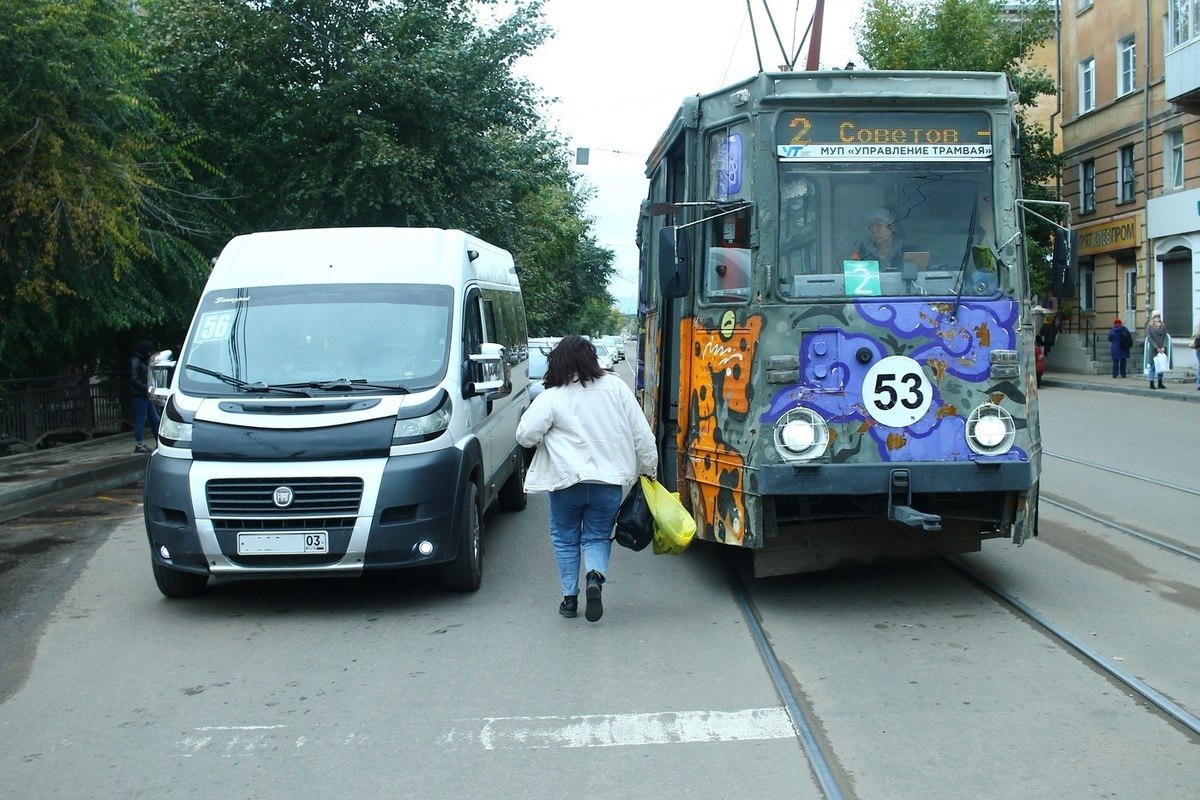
(619, 730)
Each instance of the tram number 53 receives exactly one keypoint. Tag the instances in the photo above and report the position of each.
(896, 392)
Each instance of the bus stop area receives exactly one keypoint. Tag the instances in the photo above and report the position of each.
(36, 480)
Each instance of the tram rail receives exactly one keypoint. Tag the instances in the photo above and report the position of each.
(1156, 698)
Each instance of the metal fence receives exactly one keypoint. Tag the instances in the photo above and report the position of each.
(41, 412)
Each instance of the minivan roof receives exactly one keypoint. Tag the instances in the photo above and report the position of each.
(360, 255)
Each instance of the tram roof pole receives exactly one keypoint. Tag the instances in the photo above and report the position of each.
(814, 46)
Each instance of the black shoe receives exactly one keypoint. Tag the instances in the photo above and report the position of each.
(140, 448)
(595, 608)
(1160, 385)
(569, 607)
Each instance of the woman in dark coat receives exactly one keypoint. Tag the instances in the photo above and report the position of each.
(1120, 341)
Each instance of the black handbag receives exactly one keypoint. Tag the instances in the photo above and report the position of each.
(635, 524)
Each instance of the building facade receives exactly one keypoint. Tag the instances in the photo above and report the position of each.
(1130, 125)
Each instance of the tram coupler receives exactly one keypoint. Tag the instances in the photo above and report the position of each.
(901, 490)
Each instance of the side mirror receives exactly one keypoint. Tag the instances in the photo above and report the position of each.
(674, 263)
(1064, 264)
(491, 374)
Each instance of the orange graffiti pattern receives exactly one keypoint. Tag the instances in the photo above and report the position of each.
(719, 367)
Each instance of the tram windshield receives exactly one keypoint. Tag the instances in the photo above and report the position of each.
(866, 217)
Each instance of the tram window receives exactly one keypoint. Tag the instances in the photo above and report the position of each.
(727, 261)
(824, 226)
(799, 231)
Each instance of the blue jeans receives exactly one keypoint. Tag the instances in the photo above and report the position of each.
(582, 517)
(142, 407)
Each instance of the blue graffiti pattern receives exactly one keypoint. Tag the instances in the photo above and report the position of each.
(955, 357)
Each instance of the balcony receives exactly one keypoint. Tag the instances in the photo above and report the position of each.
(1183, 76)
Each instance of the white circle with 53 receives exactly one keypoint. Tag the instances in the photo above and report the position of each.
(896, 391)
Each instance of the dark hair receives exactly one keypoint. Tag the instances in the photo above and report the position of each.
(573, 357)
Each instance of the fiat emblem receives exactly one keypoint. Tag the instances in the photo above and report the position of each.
(284, 496)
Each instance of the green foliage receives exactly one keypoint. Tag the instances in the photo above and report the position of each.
(978, 35)
(135, 143)
(92, 181)
(356, 112)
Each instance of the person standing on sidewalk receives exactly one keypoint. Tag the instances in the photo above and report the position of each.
(1157, 341)
(139, 386)
(592, 443)
(1120, 342)
(1196, 349)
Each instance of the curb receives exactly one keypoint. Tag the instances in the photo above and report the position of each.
(60, 486)
(1161, 394)
(61, 490)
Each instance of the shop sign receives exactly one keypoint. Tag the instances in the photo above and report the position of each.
(1105, 237)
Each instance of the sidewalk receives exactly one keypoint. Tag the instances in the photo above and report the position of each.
(33, 481)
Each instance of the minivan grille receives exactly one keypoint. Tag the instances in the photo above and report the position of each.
(255, 496)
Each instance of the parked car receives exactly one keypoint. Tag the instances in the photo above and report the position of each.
(603, 356)
(537, 369)
(615, 345)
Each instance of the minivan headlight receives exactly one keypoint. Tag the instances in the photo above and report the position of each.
(425, 423)
(172, 429)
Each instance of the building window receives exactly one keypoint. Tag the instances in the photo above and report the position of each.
(1087, 287)
(1183, 21)
(1125, 182)
(1087, 186)
(1174, 159)
(1131, 296)
(1087, 85)
(1126, 66)
(1084, 5)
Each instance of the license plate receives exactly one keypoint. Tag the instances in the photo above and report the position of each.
(282, 544)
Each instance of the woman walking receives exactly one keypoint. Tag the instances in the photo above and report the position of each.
(592, 442)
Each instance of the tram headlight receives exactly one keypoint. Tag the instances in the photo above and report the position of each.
(801, 435)
(990, 430)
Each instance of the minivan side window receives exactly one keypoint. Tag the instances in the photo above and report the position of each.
(472, 325)
(504, 316)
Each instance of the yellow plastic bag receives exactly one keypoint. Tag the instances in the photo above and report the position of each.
(673, 525)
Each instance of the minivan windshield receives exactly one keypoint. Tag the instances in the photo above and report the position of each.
(322, 339)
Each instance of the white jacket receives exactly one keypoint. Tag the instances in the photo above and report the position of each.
(594, 433)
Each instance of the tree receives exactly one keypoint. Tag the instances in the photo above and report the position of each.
(93, 198)
(978, 35)
(376, 112)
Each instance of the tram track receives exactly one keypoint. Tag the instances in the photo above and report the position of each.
(1123, 473)
(1108, 523)
(822, 759)
(822, 768)
(1160, 701)
(1113, 524)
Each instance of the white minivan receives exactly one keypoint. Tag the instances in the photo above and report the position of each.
(346, 400)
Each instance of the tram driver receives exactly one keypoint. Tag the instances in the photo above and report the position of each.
(882, 243)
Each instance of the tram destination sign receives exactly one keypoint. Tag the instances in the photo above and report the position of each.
(882, 136)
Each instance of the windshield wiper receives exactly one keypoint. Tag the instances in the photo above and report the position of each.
(257, 387)
(346, 384)
(962, 271)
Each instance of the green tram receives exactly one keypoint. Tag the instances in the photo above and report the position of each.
(837, 349)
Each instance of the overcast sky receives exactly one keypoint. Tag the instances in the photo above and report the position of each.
(620, 68)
